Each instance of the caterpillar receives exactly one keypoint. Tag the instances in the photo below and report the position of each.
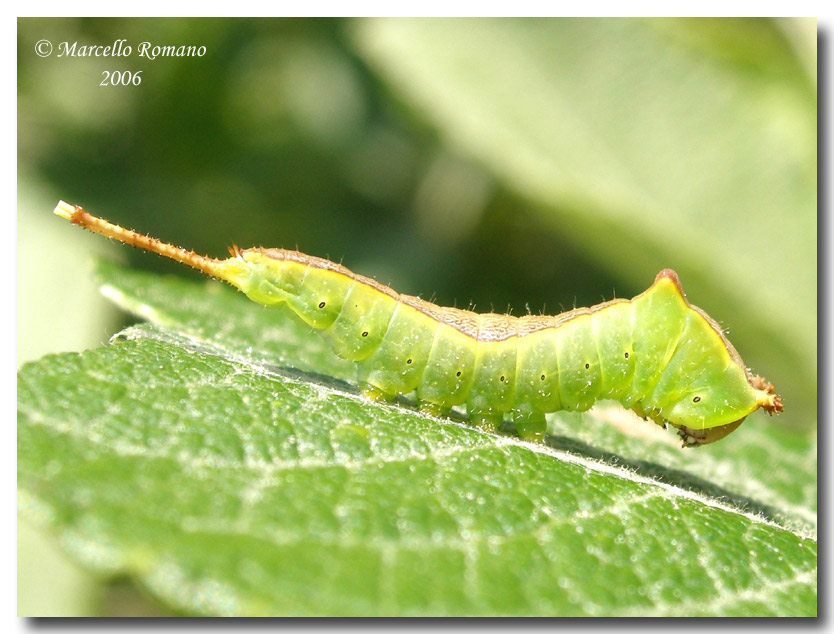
(656, 354)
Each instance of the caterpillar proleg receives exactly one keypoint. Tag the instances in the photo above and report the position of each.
(656, 354)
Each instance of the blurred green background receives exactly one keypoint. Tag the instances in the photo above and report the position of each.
(510, 164)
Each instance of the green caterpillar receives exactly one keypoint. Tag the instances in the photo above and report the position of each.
(656, 354)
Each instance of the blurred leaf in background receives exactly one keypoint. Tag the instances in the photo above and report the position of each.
(651, 143)
(513, 164)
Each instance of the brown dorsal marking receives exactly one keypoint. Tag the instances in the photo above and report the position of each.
(479, 326)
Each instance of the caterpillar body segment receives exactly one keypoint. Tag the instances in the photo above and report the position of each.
(449, 372)
(656, 354)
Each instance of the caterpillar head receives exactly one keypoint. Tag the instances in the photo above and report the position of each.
(712, 402)
(705, 390)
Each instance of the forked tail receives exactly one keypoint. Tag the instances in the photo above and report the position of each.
(77, 216)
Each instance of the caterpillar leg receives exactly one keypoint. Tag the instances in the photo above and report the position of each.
(375, 394)
(486, 421)
(530, 427)
(433, 409)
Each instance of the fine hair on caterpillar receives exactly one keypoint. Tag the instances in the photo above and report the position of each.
(656, 354)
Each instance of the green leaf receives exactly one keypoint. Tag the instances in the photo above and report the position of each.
(207, 458)
(688, 144)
